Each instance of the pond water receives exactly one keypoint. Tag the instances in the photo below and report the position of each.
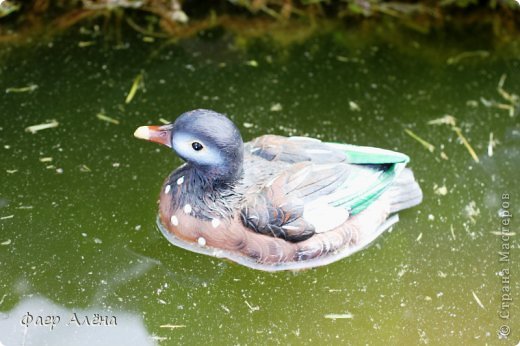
(78, 201)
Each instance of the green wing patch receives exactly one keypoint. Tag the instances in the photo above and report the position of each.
(369, 155)
(358, 200)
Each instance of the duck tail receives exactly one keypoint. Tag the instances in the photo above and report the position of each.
(404, 193)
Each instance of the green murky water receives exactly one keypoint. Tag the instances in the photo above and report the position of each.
(78, 234)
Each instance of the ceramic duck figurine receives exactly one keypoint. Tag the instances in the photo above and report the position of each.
(275, 203)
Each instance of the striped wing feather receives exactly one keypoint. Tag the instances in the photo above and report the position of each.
(320, 187)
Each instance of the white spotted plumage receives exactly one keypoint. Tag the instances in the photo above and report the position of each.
(215, 223)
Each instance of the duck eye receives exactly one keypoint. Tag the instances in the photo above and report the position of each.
(196, 146)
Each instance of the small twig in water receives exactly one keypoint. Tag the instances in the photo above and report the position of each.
(252, 308)
(83, 44)
(133, 89)
(477, 53)
(507, 96)
(492, 143)
(466, 143)
(478, 300)
(445, 120)
(108, 119)
(173, 326)
(339, 316)
(425, 144)
(452, 122)
(35, 128)
(29, 88)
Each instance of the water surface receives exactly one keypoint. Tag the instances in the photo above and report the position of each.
(78, 201)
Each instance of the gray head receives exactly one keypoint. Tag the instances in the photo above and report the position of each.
(205, 139)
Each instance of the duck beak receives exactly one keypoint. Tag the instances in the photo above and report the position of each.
(157, 134)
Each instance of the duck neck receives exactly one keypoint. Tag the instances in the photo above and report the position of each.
(205, 196)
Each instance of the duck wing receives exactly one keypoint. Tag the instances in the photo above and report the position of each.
(319, 188)
(278, 205)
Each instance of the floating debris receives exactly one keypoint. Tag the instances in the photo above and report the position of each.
(108, 119)
(472, 103)
(225, 308)
(466, 143)
(465, 55)
(7, 217)
(453, 232)
(172, 326)
(354, 106)
(164, 121)
(252, 63)
(277, 107)
(6, 8)
(347, 315)
(5, 243)
(84, 169)
(509, 108)
(30, 88)
(508, 234)
(402, 271)
(487, 103)
(45, 159)
(252, 308)
(335, 290)
(248, 125)
(444, 156)
(451, 121)
(83, 44)
(440, 190)
(11, 171)
(424, 143)
(445, 120)
(135, 85)
(472, 211)
(512, 98)
(492, 143)
(35, 128)
(159, 338)
(478, 300)
(419, 237)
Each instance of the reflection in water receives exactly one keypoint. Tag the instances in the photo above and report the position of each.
(121, 276)
(38, 321)
(174, 273)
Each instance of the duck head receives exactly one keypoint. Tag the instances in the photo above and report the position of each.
(208, 141)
